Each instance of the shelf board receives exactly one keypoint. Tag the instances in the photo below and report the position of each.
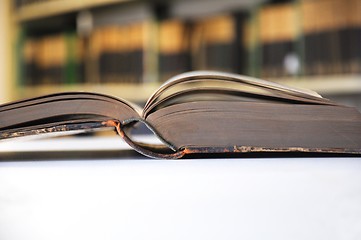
(127, 91)
(326, 85)
(56, 7)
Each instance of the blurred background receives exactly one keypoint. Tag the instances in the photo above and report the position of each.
(127, 48)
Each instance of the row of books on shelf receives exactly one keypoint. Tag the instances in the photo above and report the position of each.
(320, 37)
(22, 3)
(111, 54)
(52, 59)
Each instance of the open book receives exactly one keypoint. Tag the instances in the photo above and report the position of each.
(199, 112)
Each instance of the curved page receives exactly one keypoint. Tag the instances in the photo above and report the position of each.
(237, 82)
(227, 92)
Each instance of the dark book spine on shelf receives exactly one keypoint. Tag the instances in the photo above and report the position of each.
(50, 60)
(174, 48)
(329, 43)
(73, 65)
(109, 47)
(93, 52)
(327, 36)
(59, 60)
(40, 58)
(136, 52)
(29, 64)
(81, 53)
(251, 43)
(277, 26)
(340, 19)
(240, 58)
(119, 51)
(310, 31)
(213, 42)
(355, 35)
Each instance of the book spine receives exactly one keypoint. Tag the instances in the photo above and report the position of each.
(136, 52)
(277, 39)
(71, 73)
(119, 51)
(108, 50)
(328, 39)
(355, 38)
(214, 38)
(174, 47)
(240, 50)
(309, 28)
(251, 41)
(29, 67)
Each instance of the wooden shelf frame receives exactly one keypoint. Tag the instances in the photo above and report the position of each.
(132, 92)
(324, 85)
(327, 84)
(57, 7)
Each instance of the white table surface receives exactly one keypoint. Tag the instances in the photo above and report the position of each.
(141, 198)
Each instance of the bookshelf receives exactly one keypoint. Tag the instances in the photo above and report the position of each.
(55, 73)
(243, 40)
(6, 87)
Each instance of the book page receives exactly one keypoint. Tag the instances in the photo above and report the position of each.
(216, 81)
(219, 126)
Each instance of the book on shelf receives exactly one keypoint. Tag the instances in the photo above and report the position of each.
(331, 33)
(213, 43)
(121, 44)
(320, 37)
(202, 112)
(52, 59)
(174, 47)
(351, 37)
(277, 36)
(109, 44)
(207, 42)
(118, 51)
(307, 37)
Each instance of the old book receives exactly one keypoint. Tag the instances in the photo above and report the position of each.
(199, 112)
